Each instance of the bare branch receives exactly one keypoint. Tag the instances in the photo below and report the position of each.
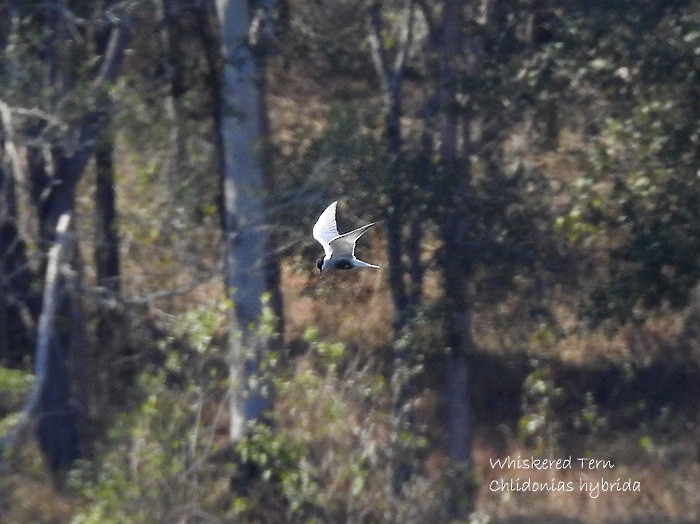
(390, 77)
(10, 141)
(114, 53)
(406, 38)
(7, 114)
(429, 16)
(379, 54)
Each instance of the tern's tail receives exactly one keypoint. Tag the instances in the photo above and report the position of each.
(360, 263)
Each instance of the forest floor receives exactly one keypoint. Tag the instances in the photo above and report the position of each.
(540, 388)
(626, 399)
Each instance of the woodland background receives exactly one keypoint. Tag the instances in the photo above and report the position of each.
(168, 352)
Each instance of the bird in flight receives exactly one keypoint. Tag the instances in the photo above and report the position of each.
(339, 249)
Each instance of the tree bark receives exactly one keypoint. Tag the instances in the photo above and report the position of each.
(106, 236)
(59, 422)
(454, 262)
(273, 277)
(391, 80)
(50, 382)
(246, 237)
(168, 15)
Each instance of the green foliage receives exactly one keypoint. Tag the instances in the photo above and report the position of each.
(539, 424)
(552, 413)
(156, 464)
(281, 462)
(198, 327)
(330, 36)
(659, 206)
(327, 456)
(330, 354)
(15, 385)
(588, 419)
(334, 450)
(638, 198)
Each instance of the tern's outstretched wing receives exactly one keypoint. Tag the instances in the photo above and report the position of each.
(326, 228)
(344, 245)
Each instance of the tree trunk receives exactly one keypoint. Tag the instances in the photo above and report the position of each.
(49, 398)
(391, 80)
(110, 320)
(59, 410)
(106, 237)
(455, 266)
(168, 16)
(273, 276)
(246, 237)
(415, 267)
(391, 73)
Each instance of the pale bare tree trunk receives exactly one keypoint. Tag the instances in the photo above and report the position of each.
(45, 359)
(242, 143)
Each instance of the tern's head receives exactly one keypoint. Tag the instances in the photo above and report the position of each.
(319, 265)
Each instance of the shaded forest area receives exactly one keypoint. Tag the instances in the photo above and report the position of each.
(168, 351)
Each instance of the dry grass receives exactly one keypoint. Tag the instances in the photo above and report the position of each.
(27, 494)
(352, 306)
